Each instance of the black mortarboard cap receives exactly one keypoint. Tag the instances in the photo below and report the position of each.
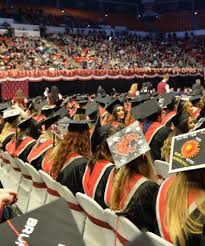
(195, 99)
(167, 99)
(59, 229)
(80, 111)
(135, 101)
(150, 108)
(112, 104)
(92, 109)
(137, 112)
(127, 144)
(25, 123)
(62, 112)
(144, 97)
(98, 135)
(50, 121)
(48, 110)
(78, 125)
(187, 151)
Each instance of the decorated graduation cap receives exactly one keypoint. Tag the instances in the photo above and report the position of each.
(127, 144)
(34, 228)
(150, 108)
(110, 107)
(187, 151)
(78, 125)
(10, 113)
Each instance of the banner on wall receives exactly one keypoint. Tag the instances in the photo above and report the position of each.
(26, 33)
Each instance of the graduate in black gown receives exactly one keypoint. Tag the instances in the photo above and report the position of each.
(180, 206)
(11, 119)
(99, 167)
(72, 155)
(24, 139)
(132, 187)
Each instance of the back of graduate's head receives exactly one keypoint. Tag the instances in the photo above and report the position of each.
(100, 146)
(142, 165)
(74, 142)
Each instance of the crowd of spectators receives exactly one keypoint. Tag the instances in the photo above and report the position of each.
(96, 50)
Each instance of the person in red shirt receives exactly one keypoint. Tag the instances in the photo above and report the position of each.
(163, 86)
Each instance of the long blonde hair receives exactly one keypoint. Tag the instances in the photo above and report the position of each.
(178, 221)
(142, 165)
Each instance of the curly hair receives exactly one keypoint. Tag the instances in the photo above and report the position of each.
(73, 142)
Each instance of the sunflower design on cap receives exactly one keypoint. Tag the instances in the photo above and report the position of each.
(190, 149)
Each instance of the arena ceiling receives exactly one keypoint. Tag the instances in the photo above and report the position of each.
(135, 7)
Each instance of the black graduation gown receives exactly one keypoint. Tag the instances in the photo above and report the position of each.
(23, 156)
(158, 141)
(100, 190)
(141, 209)
(6, 141)
(71, 175)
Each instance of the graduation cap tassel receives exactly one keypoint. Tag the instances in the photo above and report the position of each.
(54, 139)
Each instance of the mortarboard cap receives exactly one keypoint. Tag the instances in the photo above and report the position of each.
(11, 112)
(167, 99)
(112, 104)
(144, 97)
(127, 144)
(99, 133)
(25, 122)
(150, 108)
(48, 109)
(137, 112)
(80, 111)
(187, 152)
(59, 229)
(135, 101)
(92, 109)
(62, 112)
(50, 121)
(195, 99)
(78, 125)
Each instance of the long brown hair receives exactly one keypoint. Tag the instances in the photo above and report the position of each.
(178, 221)
(73, 142)
(142, 165)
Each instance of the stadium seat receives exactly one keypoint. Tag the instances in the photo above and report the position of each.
(52, 193)
(124, 230)
(39, 189)
(162, 168)
(97, 231)
(158, 241)
(77, 212)
(25, 187)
